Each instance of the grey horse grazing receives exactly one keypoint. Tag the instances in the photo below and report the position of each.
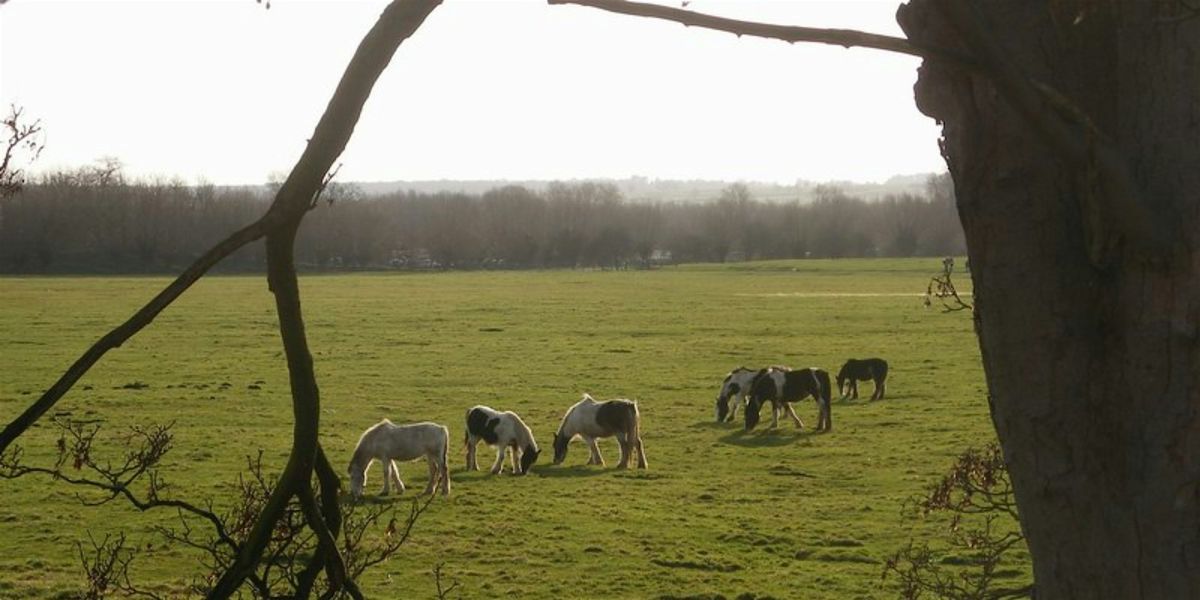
(388, 442)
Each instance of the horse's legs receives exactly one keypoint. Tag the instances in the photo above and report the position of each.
(389, 475)
(499, 464)
(625, 445)
(516, 457)
(787, 406)
(854, 388)
(444, 477)
(774, 414)
(734, 402)
(641, 452)
(433, 474)
(880, 388)
(396, 473)
(596, 458)
(472, 463)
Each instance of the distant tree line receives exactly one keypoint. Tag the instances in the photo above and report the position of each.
(94, 220)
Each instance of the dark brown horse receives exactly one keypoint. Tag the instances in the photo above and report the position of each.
(856, 370)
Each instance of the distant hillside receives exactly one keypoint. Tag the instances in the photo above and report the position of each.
(669, 190)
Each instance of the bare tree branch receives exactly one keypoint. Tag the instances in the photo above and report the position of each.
(129, 328)
(324, 184)
(26, 136)
(442, 592)
(279, 225)
(399, 20)
(1057, 120)
(75, 445)
(978, 486)
(941, 286)
(847, 38)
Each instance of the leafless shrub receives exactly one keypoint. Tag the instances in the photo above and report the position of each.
(443, 592)
(291, 565)
(942, 288)
(23, 137)
(977, 493)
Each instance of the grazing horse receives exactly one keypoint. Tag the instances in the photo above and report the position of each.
(856, 370)
(388, 443)
(590, 419)
(735, 391)
(783, 387)
(502, 430)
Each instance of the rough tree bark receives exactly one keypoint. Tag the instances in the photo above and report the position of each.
(1089, 337)
(1070, 129)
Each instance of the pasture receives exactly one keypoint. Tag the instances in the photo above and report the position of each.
(781, 513)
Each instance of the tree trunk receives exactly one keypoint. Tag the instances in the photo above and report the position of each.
(1090, 348)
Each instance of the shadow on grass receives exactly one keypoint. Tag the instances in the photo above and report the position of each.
(711, 424)
(573, 470)
(863, 399)
(767, 437)
(374, 499)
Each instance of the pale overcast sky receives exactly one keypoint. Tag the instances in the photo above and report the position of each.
(228, 92)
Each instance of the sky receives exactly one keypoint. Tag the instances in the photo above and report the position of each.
(227, 92)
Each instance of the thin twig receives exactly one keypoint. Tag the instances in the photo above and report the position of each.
(847, 38)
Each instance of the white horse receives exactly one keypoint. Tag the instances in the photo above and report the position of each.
(388, 443)
(735, 392)
(503, 430)
(590, 419)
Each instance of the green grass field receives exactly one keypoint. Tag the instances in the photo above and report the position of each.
(778, 513)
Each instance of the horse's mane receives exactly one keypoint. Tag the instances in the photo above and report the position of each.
(739, 369)
(359, 451)
(566, 415)
(526, 432)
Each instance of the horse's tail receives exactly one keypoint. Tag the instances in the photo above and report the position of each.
(825, 400)
(445, 466)
(635, 423)
(466, 427)
(880, 377)
(634, 436)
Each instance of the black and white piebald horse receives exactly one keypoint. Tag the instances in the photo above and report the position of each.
(590, 419)
(781, 387)
(503, 430)
(735, 392)
(856, 370)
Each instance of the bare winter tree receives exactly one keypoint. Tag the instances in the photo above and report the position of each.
(1071, 140)
(22, 144)
(318, 505)
(1069, 128)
